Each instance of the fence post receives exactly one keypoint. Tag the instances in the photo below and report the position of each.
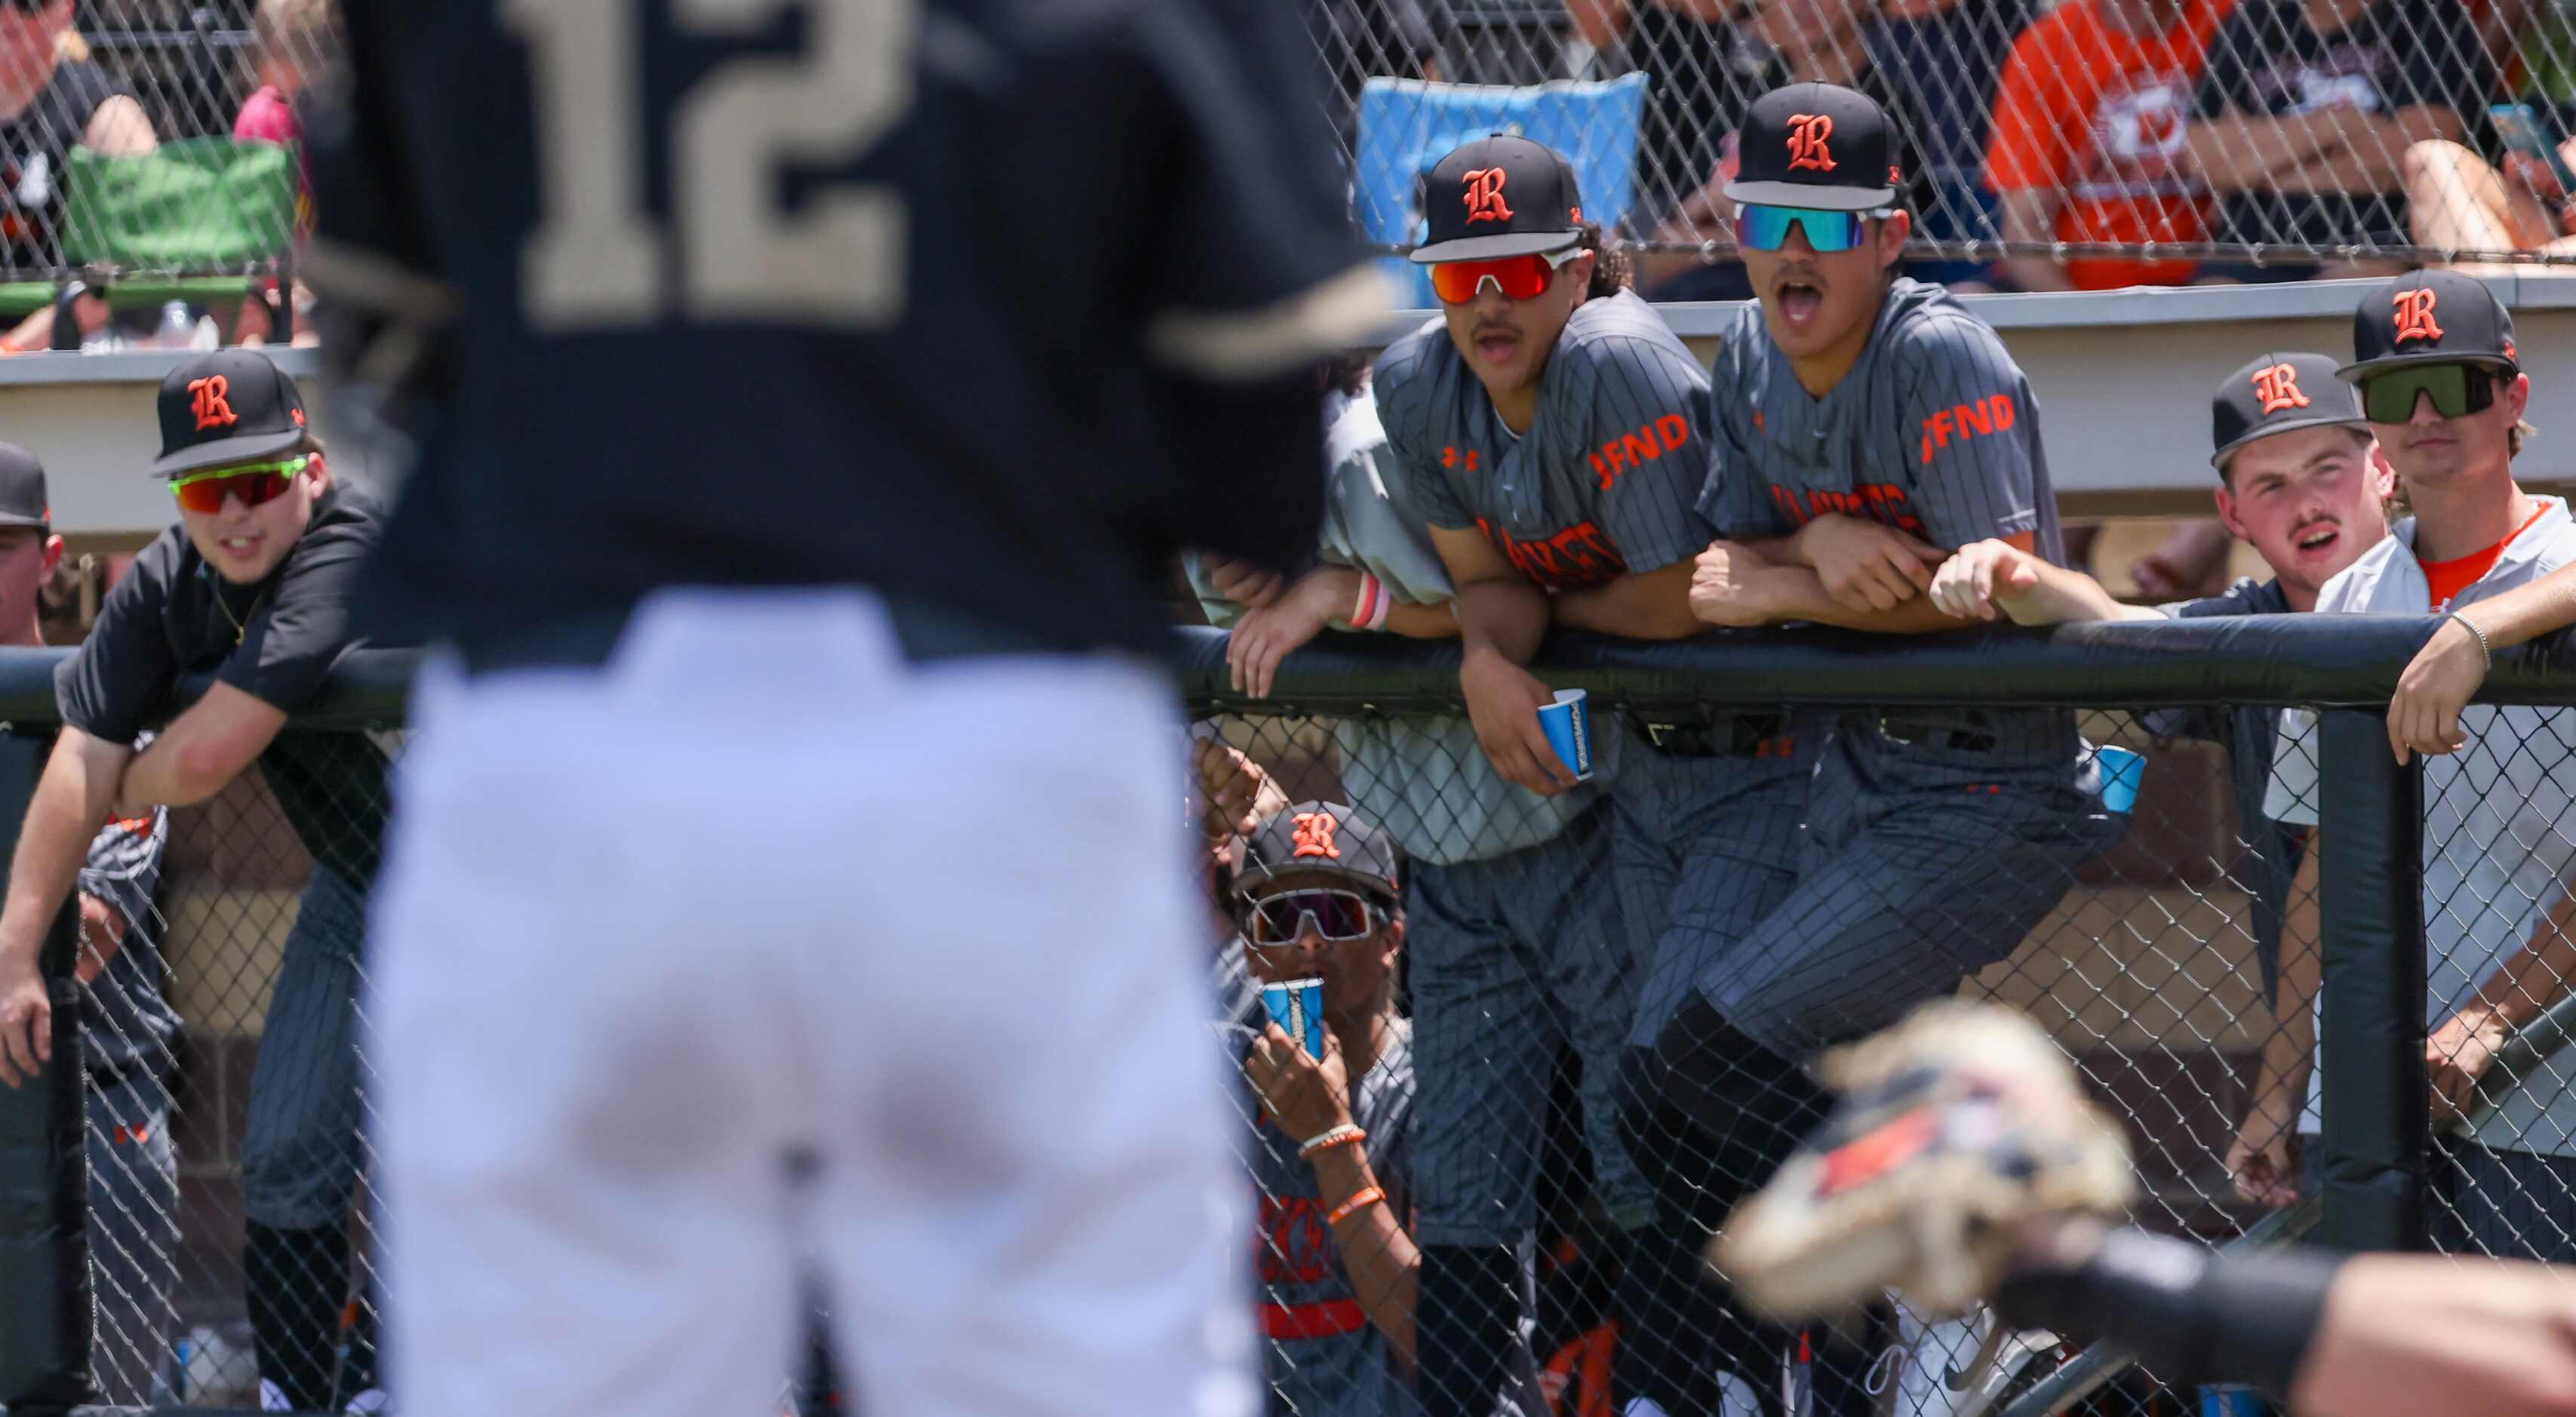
(45, 1312)
(2371, 881)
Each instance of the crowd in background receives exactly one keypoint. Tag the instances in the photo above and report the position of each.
(2322, 132)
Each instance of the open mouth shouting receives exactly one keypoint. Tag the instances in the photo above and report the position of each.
(1496, 343)
(1797, 299)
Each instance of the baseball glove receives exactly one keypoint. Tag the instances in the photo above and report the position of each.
(1953, 1125)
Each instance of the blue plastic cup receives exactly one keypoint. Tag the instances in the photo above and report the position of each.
(2121, 772)
(2217, 1401)
(1297, 1006)
(1568, 725)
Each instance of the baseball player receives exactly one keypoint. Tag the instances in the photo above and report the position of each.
(253, 585)
(1332, 1139)
(1553, 432)
(1965, 1161)
(2302, 480)
(1516, 947)
(2440, 383)
(1866, 426)
(827, 396)
(126, 1023)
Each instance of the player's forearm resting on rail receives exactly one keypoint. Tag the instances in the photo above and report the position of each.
(71, 803)
(2424, 715)
(2260, 1158)
(1642, 605)
(202, 750)
(1502, 616)
(1994, 579)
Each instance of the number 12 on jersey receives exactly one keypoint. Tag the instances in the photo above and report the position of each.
(599, 260)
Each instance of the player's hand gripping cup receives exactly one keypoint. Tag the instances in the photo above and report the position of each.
(1953, 1126)
(1568, 726)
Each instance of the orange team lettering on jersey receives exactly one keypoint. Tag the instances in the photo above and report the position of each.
(1576, 558)
(1987, 416)
(1629, 450)
(1881, 502)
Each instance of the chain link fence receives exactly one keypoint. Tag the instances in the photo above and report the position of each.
(2110, 142)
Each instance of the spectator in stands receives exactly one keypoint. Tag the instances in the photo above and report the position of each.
(2457, 201)
(1939, 61)
(2305, 114)
(296, 37)
(2302, 480)
(1702, 65)
(1516, 949)
(1332, 1139)
(2441, 386)
(126, 1026)
(55, 97)
(253, 589)
(2089, 140)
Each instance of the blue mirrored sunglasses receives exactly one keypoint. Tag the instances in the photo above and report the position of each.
(1767, 228)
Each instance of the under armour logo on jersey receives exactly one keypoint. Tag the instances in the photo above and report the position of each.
(211, 399)
(1449, 457)
(1485, 195)
(2278, 388)
(1315, 835)
(1807, 134)
(2415, 315)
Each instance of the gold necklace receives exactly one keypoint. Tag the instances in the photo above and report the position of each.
(241, 627)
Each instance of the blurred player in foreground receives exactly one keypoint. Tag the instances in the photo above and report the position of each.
(818, 404)
(1964, 1163)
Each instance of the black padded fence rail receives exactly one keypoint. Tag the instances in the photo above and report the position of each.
(1566, 1281)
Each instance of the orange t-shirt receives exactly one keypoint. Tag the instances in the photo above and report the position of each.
(2100, 116)
(2448, 578)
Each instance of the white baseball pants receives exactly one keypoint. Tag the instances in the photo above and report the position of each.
(762, 944)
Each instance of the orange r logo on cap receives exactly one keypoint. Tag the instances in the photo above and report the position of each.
(210, 399)
(1315, 835)
(1485, 195)
(2415, 315)
(1807, 134)
(2278, 388)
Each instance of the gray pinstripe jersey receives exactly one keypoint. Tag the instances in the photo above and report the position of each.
(1933, 432)
(1426, 780)
(1604, 481)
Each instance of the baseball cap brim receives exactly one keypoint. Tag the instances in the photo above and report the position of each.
(1251, 876)
(21, 519)
(245, 448)
(1814, 197)
(1493, 248)
(2219, 459)
(2355, 373)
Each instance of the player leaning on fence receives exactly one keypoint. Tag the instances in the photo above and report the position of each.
(1516, 948)
(2441, 385)
(252, 587)
(126, 1025)
(1865, 425)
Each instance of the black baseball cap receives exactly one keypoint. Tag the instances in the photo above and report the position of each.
(1319, 837)
(232, 405)
(1820, 146)
(22, 489)
(2275, 394)
(1499, 196)
(2430, 317)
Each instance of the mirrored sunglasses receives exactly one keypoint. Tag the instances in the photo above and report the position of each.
(1339, 916)
(254, 483)
(1517, 277)
(1763, 228)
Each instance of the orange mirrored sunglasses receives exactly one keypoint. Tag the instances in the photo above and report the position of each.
(254, 483)
(1517, 277)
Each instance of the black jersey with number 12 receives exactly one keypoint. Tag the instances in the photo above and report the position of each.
(986, 303)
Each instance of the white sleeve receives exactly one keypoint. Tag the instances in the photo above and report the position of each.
(2292, 795)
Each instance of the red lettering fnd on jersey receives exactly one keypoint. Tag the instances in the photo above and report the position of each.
(1629, 450)
(1574, 559)
(1314, 835)
(1987, 416)
(2278, 388)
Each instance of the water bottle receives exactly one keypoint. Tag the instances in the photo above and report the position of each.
(177, 330)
